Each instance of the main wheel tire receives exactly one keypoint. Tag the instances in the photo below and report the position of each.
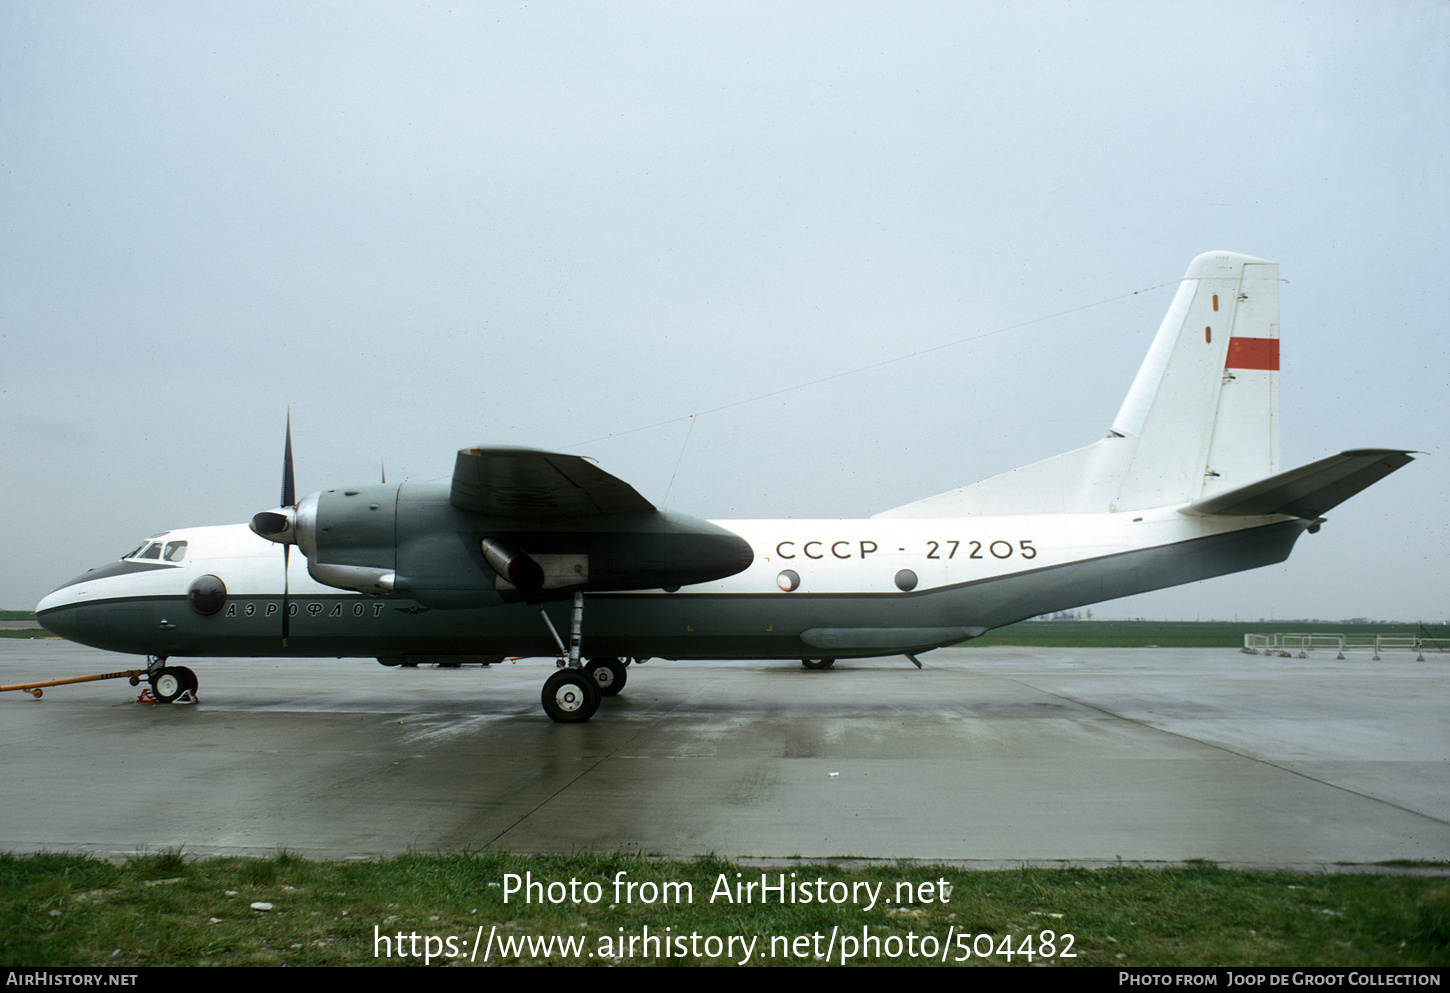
(610, 674)
(571, 696)
(167, 685)
(818, 663)
(188, 678)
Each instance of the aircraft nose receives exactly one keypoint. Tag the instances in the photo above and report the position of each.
(51, 613)
(60, 610)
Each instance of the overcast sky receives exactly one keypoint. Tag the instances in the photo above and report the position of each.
(575, 225)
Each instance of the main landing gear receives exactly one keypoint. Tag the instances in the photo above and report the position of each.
(608, 673)
(169, 683)
(818, 663)
(572, 694)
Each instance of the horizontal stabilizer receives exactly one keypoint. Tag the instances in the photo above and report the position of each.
(1307, 491)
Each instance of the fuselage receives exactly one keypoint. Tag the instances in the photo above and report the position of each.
(814, 589)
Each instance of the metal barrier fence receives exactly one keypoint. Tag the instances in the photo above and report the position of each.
(1302, 644)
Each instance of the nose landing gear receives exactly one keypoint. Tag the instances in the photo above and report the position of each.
(170, 683)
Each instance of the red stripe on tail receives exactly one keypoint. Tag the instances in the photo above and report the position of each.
(1253, 353)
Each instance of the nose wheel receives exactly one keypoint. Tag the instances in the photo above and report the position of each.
(170, 682)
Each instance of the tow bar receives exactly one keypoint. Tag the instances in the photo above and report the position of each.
(34, 689)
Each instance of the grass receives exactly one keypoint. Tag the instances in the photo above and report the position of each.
(166, 908)
(22, 615)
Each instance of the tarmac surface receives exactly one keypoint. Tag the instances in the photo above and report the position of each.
(986, 757)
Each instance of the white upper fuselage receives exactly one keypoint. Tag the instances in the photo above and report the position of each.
(861, 556)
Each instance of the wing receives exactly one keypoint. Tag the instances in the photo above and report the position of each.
(558, 522)
(515, 523)
(530, 485)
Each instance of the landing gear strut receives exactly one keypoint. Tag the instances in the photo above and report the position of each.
(571, 695)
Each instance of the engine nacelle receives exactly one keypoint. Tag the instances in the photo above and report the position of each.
(411, 539)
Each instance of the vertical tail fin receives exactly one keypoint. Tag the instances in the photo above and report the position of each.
(1201, 417)
(1204, 407)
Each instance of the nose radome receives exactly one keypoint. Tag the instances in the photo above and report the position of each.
(59, 610)
(49, 613)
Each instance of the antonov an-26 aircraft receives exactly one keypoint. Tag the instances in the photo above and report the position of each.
(522, 542)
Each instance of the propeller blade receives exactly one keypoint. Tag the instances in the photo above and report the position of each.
(289, 485)
(286, 607)
(289, 499)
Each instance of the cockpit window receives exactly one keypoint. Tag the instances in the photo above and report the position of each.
(173, 552)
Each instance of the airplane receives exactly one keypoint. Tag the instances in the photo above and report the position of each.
(1185, 486)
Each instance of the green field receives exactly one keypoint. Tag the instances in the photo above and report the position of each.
(166, 909)
(22, 615)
